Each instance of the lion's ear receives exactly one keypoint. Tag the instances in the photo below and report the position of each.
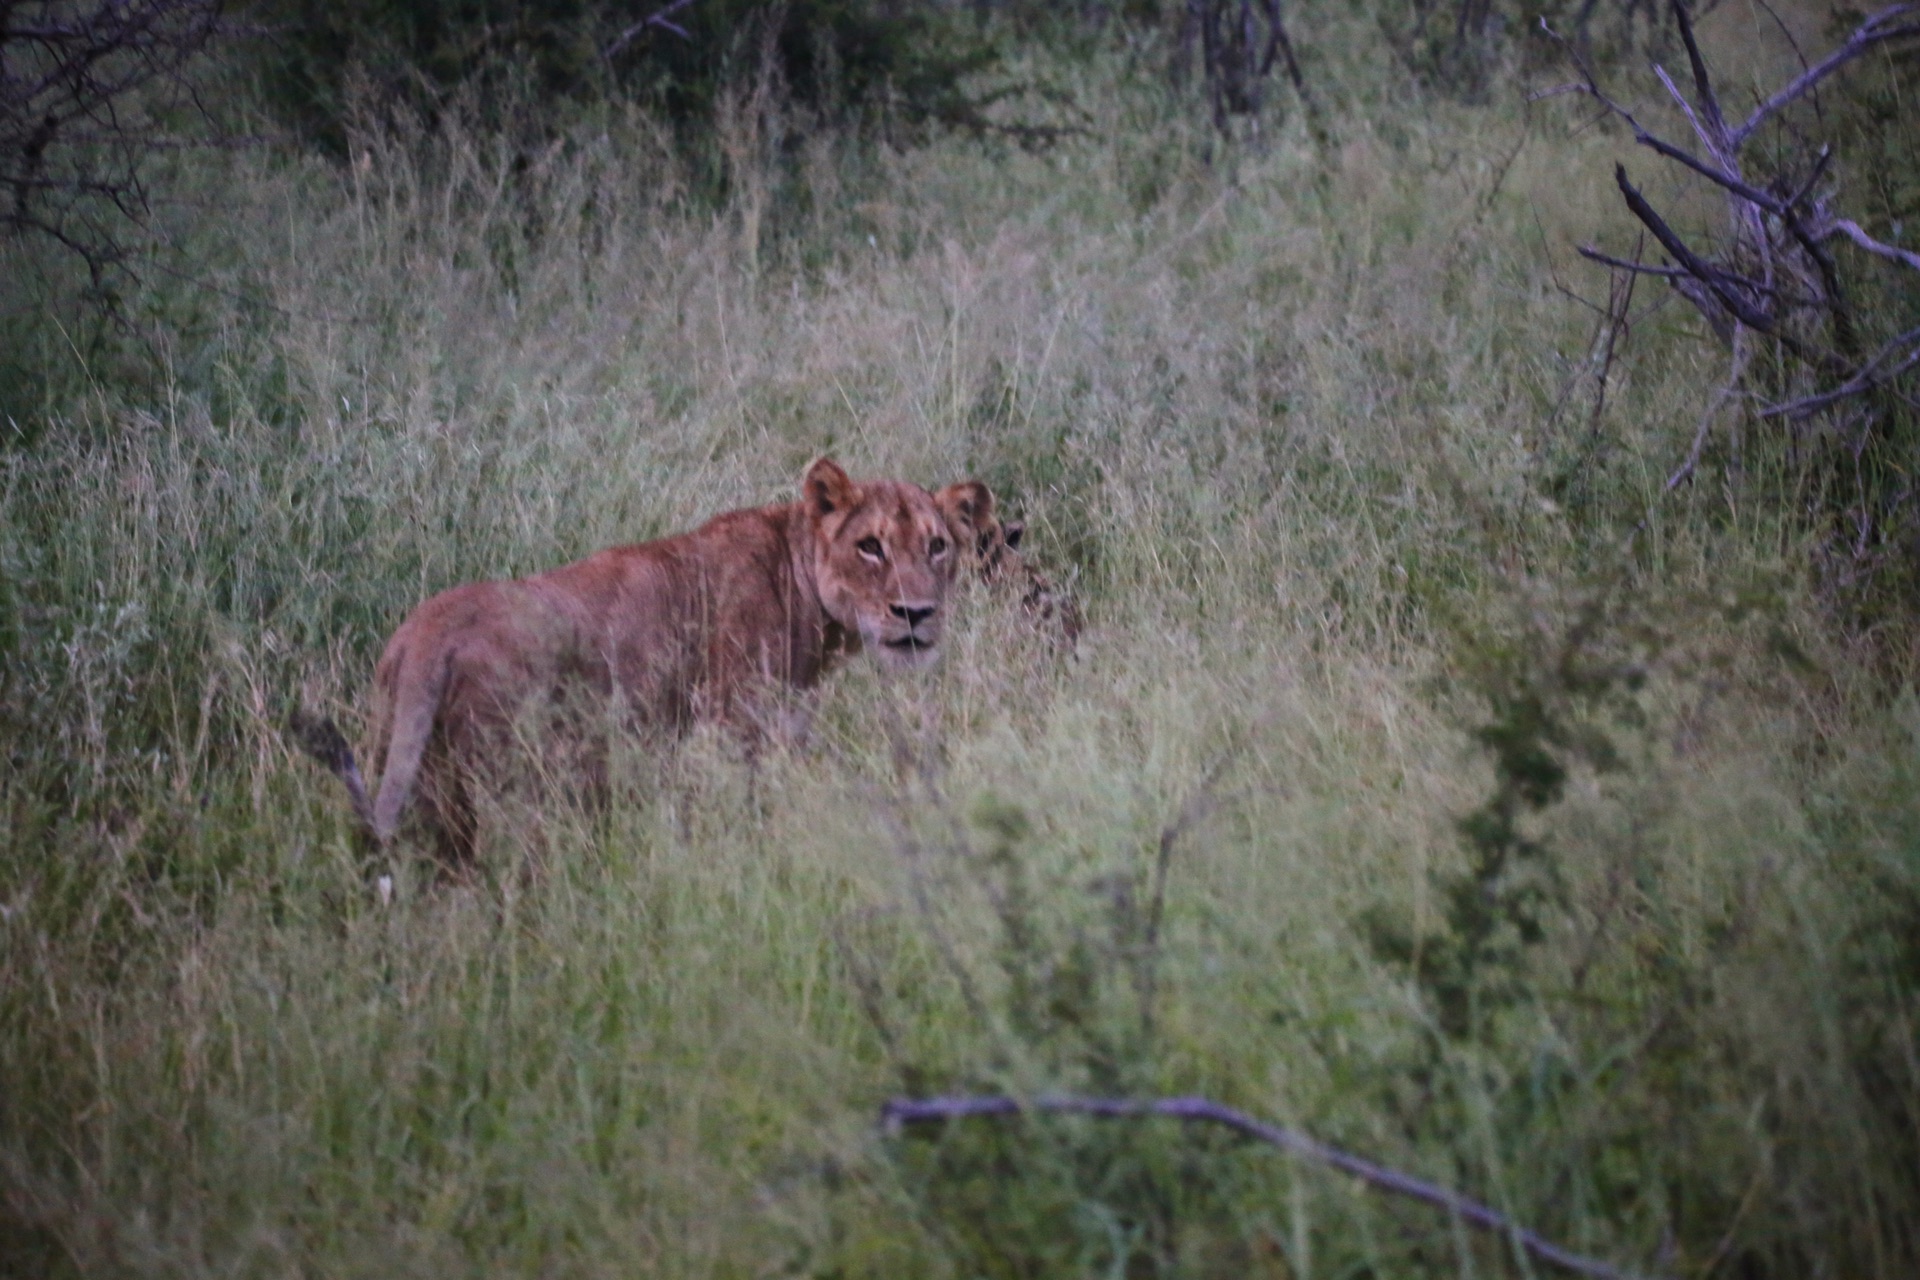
(827, 489)
(1013, 531)
(967, 507)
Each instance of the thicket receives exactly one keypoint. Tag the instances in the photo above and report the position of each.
(841, 62)
(1437, 774)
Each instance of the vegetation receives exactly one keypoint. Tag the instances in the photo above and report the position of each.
(1432, 777)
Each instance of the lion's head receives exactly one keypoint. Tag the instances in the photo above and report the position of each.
(992, 547)
(883, 562)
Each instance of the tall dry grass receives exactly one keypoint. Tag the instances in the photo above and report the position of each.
(1294, 425)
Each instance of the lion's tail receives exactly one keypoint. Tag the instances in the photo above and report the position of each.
(322, 739)
(414, 705)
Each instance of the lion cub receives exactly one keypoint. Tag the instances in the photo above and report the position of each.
(714, 623)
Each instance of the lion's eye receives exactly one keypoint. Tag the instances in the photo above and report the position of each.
(937, 546)
(870, 547)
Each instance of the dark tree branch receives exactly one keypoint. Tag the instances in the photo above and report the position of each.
(1679, 273)
(1240, 44)
(1727, 392)
(1743, 311)
(69, 149)
(1788, 285)
(1702, 85)
(897, 1113)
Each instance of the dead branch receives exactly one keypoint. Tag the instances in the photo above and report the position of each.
(81, 90)
(1638, 268)
(1888, 24)
(1852, 231)
(1696, 267)
(1871, 376)
(1620, 289)
(1776, 276)
(660, 19)
(897, 1113)
(1728, 390)
(1200, 803)
(919, 883)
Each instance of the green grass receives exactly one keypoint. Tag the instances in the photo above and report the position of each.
(1287, 421)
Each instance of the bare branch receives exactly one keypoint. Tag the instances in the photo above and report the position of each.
(1886, 25)
(660, 18)
(1702, 85)
(1714, 172)
(1818, 172)
(1742, 310)
(68, 145)
(1728, 391)
(897, 1113)
(1868, 378)
(1701, 128)
(1851, 229)
(1198, 805)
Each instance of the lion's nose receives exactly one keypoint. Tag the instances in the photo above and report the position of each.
(913, 615)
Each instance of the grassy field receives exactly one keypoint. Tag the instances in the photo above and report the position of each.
(1308, 426)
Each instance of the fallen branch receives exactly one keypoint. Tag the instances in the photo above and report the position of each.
(897, 1113)
(1592, 254)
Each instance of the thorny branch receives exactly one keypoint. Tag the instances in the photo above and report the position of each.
(897, 1113)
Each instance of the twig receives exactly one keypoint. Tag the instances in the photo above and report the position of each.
(1741, 355)
(1818, 172)
(1619, 307)
(658, 18)
(1676, 273)
(1865, 380)
(1638, 268)
(1197, 807)
(1716, 137)
(896, 1113)
(915, 858)
(1874, 31)
(1851, 229)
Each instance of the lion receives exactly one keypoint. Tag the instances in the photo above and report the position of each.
(717, 623)
(992, 550)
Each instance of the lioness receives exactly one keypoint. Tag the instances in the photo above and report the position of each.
(711, 623)
(992, 548)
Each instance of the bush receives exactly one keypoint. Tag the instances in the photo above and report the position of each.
(838, 60)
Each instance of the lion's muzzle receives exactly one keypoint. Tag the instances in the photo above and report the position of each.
(910, 634)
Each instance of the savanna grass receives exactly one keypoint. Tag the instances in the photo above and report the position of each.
(1291, 419)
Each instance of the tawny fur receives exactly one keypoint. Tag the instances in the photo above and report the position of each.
(714, 623)
(992, 547)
